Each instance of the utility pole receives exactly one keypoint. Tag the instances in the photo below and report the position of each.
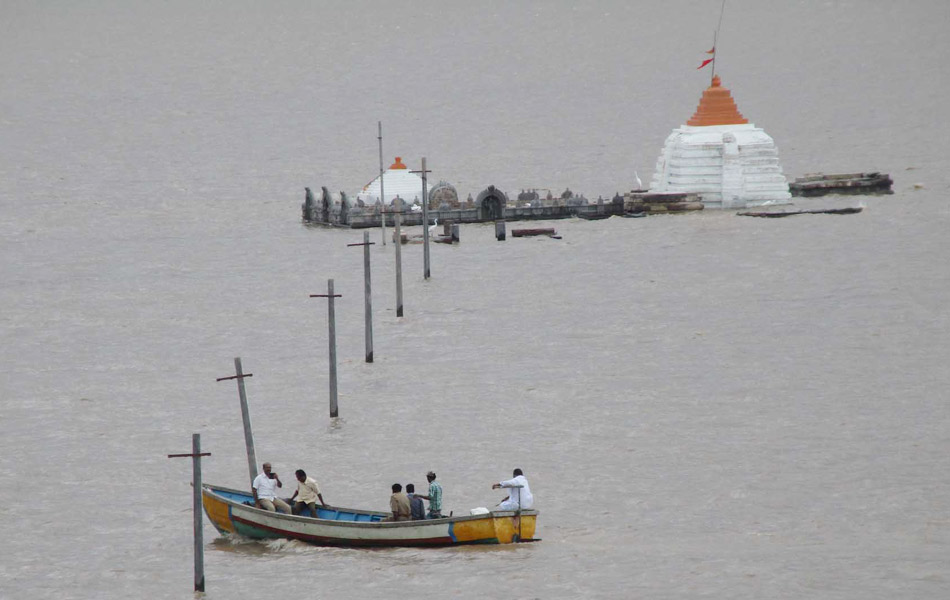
(382, 196)
(331, 324)
(397, 204)
(425, 219)
(196, 455)
(369, 295)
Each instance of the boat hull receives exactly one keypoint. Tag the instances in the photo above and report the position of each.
(347, 527)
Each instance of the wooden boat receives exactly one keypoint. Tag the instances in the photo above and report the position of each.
(231, 511)
(634, 215)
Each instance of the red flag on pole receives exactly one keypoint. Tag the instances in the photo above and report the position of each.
(711, 50)
(705, 62)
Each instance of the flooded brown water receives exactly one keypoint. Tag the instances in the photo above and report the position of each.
(705, 405)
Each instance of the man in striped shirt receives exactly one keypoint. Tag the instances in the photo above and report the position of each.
(434, 497)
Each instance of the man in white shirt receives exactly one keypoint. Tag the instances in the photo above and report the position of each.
(264, 489)
(306, 495)
(520, 495)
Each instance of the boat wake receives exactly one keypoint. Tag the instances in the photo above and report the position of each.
(284, 546)
(233, 542)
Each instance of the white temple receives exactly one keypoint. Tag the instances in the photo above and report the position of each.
(397, 181)
(719, 155)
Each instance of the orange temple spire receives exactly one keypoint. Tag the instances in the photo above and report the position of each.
(716, 107)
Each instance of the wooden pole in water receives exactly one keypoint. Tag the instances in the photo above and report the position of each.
(368, 292)
(246, 417)
(425, 217)
(331, 324)
(425, 220)
(198, 518)
(398, 216)
(196, 455)
(382, 196)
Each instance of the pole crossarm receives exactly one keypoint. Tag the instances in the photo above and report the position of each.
(192, 455)
(362, 244)
(326, 295)
(235, 377)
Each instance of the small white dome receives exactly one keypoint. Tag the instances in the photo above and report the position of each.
(397, 181)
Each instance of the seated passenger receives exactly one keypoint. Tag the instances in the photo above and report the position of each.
(417, 510)
(264, 489)
(399, 503)
(306, 495)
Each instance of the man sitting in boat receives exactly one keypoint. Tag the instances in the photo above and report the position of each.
(520, 495)
(265, 491)
(417, 510)
(306, 495)
(399, 504)
(434, 497)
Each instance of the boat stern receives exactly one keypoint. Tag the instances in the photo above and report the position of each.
(496, 528)
(514, 528)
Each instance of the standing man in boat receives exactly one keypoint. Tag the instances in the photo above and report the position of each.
(434, 497)
(520, 495)
(265, 491)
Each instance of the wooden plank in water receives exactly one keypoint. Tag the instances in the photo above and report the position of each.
(829, 211)
(531, 232)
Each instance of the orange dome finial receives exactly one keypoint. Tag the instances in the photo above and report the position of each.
(398, 164)
(716, 107)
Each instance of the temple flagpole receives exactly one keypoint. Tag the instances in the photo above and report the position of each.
(722, 10)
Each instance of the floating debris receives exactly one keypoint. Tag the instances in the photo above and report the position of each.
(548, 231)
(653, 202)
(819, 184)
(828, 211)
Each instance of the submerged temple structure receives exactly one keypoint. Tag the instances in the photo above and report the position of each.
(443, 194)
(719, 155)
